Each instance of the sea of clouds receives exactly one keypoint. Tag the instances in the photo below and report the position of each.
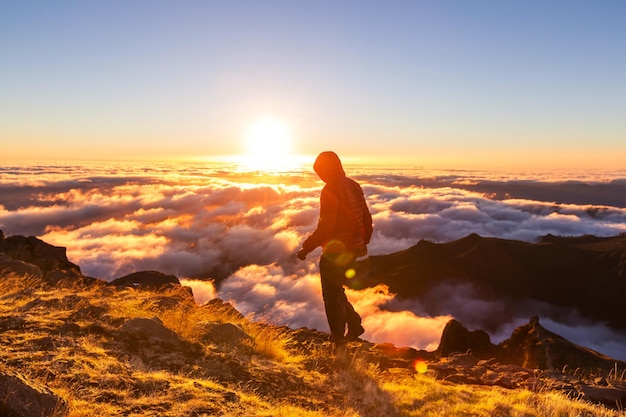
(208, 222)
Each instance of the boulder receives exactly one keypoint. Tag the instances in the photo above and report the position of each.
(220, 308)
(157, 346)
(221, 333)
(146, 279)
(456, 338)
(51, 260)
(150, 329)
(90, 312)
(22, 398)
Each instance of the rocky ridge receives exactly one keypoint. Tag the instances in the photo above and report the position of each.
(532, 358)
(585, 273)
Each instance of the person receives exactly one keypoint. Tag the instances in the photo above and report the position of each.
(343, 231)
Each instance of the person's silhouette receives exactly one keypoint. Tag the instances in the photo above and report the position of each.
(343, 231)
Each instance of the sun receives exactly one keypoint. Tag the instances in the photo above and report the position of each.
(268, 143)
(267, 137)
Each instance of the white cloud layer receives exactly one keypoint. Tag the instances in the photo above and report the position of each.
(203, 222)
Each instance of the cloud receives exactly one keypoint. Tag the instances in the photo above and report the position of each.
(400, 327)
(204, 222)
(268, 292)
(203, 291)
(446, 214)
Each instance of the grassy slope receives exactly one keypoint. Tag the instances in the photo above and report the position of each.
(101, 372)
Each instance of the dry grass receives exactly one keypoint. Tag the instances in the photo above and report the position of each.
(424, 396)
(100, 373)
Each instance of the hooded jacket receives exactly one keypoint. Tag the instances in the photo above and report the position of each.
(345, 222)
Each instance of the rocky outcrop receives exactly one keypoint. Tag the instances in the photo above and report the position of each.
(533, 346)
(456, 338)
(466, 369)
(224, 334)
(17, 267)
(145, 279)
(22, 398)
(530, 346)
(463, 367)
(532, 358)
(30, 256)
(151, 331)
(223, 308)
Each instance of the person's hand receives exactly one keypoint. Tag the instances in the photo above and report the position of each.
(301, 254)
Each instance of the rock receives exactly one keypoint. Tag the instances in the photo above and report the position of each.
(176, 296)
(89, 312)
(12, 323)
(221, 333)
(617, 383)
(387, 355)
(45, 343)
(533, 346)
(69, 329)
(458, 339)
(22, 398)
(66, 279)
(150, 329)
(608, 396)
(461, 360)
(466, 369)
(9, 265)
(223, 309)
(391, 351)
(145, 279)
(49, 259)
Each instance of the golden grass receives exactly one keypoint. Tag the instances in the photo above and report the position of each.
(97, 372)
(422, 395)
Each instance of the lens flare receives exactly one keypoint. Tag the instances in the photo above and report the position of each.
(420, 366)
(334, 248)
(350, 273)
(336, 251)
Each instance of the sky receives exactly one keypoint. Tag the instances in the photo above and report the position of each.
(438, 84)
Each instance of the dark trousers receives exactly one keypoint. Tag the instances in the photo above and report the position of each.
(339, 311)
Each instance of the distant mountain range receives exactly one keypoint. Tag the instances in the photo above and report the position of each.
(586, 274)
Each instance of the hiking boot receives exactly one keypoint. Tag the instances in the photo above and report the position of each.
(354, 332)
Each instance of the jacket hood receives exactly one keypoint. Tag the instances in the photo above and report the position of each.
(328, 167)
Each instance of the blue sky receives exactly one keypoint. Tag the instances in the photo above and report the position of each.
(438, 83)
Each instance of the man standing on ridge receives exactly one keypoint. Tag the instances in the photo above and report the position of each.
(343, 231)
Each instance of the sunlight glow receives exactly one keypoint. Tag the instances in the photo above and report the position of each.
(268, 144)
(268, 136)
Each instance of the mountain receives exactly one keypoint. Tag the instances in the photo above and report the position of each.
(587, 274)
(78, 346)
